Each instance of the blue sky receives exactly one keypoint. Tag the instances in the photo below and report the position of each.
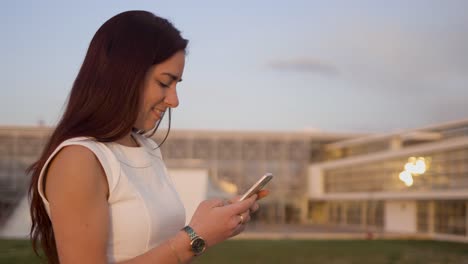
(345, 66)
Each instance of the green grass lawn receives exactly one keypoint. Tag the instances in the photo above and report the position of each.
(300, 251)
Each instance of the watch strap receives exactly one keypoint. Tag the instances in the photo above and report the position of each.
(191, 233)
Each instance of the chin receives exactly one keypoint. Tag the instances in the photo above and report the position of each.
(151, 126)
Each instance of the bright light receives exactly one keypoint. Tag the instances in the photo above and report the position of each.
(409, 182)
(420, 166)
(406, 178)
(409, 167)
(414, 167)
(404, 175)
(227, 186)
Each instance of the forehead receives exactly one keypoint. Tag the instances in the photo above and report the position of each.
(174, 65)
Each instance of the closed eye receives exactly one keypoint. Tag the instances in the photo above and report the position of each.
(163, 84)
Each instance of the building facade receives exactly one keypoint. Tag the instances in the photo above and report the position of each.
(413, 182)
(232, 160)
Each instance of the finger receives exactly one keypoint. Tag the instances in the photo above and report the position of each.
(254, 207)
(214, 203)
(241, 220)
(240, 207)
(262, 194)
(238, 219)
(245, 218)
(239, 229)
(227, 201)
(234, 221)
(235, 199)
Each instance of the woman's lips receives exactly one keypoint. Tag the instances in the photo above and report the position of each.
(158, 113)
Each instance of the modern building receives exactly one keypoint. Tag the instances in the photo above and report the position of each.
(19, 148)
(412, 182)
(212, 163)
(241, 158)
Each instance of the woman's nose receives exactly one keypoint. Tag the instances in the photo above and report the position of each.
(172, 100)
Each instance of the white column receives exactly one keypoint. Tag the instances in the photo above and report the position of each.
(395, 143)
(315, 182)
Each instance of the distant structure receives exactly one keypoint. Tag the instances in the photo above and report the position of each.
(413, 182)
(19, 148)
(231, 161)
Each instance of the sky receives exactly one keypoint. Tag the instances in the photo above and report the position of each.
(337, 66)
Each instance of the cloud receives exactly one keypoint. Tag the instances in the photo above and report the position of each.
(388, 58)
(305, 66)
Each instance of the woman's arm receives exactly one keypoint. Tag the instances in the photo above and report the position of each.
(76, 188)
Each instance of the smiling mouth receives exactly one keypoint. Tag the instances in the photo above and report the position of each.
(159, 114)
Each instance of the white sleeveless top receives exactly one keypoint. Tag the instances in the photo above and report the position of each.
(144, 206)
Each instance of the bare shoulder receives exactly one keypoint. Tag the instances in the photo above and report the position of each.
(75, 167)
(73, 153)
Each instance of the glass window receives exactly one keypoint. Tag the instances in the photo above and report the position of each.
(374, 214)
(353, 213)
(422, 216)
(450, 217)
(444, 170)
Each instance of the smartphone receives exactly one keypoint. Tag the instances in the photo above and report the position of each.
(257, 186)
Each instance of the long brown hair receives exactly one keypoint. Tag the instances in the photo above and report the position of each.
(104, 100)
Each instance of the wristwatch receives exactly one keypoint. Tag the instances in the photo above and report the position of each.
(197, 243)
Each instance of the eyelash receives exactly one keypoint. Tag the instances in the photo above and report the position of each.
(163, 85)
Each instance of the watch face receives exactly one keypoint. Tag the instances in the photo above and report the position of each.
(198, 245)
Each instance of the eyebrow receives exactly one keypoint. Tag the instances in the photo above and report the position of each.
(174, 77)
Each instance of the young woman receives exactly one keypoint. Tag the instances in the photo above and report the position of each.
(100, 191)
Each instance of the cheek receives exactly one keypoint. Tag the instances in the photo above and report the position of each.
(143, 112)
(153, 97)
(148, 103)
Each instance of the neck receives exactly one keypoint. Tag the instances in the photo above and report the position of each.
(128, 140)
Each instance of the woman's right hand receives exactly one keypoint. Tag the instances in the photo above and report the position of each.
(215, 222)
